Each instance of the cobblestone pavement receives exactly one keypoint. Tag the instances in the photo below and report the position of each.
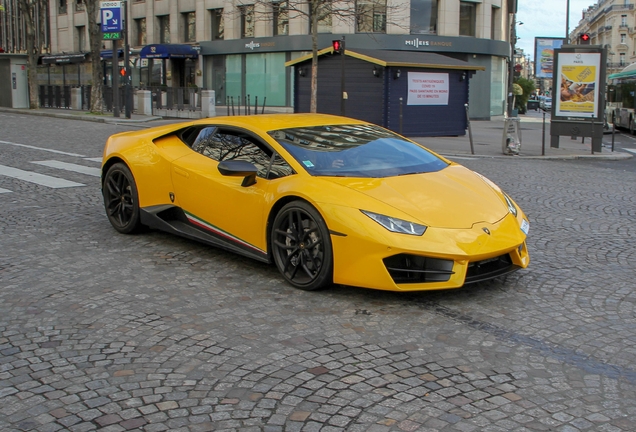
(101, 331)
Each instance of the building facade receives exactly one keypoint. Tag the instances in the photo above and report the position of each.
(242, 47)
(611, 24)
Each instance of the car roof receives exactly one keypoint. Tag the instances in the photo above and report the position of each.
(268, 122)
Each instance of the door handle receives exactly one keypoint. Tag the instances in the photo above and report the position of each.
(182, 172)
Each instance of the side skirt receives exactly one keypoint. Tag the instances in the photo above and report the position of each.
(173, 220)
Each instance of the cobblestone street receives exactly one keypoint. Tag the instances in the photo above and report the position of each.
(102, 331)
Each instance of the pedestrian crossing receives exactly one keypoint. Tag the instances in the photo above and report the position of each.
(50, 181)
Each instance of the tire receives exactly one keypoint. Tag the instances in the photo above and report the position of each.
(121, 200)
(303, 256)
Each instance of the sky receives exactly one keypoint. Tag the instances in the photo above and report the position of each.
(546, 18)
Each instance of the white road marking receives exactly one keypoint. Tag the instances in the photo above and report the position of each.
(630, 150)
(41, 179)
(95, 172)
(97, 159)
(4, 191)
(41, 148)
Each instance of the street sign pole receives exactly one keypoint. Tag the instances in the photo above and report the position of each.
(110, 12)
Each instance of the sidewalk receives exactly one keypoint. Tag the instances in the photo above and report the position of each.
(487, 136)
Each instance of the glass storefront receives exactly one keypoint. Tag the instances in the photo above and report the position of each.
(498, 86)
(259, 77)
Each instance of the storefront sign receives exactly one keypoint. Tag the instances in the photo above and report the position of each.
(578, 75)
(427, 88)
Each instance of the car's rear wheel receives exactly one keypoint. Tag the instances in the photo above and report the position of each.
(121, 200)
(301, 246)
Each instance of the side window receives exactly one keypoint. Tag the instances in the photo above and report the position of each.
(222, 145)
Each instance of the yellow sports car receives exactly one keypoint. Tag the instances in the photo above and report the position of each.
(328, 199)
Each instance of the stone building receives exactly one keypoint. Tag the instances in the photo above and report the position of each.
(240, 48)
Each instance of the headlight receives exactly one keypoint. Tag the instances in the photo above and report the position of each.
(511, 206)
(396, 225)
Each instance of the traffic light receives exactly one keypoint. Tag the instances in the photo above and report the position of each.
(122, 72)
(338, 46)
(584, 39)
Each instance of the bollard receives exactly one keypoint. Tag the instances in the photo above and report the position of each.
(470, 131)
(613, 133)
(543, 137)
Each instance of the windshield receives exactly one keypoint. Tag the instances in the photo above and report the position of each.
(356, 151)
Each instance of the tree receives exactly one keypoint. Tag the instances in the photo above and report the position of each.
(527, 87)
(347, 12)
(95, 36)
(34, 13)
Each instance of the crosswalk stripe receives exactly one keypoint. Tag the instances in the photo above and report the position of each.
(41, 148)
(70, 167)
(41, 179)
(97, 159)
(4, 190)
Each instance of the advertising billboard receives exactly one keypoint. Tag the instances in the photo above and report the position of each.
(579, 78)
(544, 55)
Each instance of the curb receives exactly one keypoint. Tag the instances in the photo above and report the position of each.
(613, 156)
(84, 117)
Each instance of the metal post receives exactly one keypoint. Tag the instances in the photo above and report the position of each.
(342, 79)
(543, 137)
(401, 116)
(511, 68)
(592, 137)
(470, 131)
(127, 84)
(613, 133)
(115, 80)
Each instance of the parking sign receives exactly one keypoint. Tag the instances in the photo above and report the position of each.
(110, 12)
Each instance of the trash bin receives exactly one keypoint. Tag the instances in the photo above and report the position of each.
(533, 105)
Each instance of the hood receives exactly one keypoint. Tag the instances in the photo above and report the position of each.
(454, 197)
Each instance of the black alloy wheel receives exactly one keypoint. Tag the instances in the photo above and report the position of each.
(301, 247)
(121, 200)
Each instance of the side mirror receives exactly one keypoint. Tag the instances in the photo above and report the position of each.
(239, 169)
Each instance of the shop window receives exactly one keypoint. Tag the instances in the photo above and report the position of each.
(247, 21)
(81, 38)
(495, 23)
(371, 16)
(424, 16)
(217, 24)
(140, 32)
(164, 29)
(324, 23)
(190, 27)
(281, 18)
(467, 18)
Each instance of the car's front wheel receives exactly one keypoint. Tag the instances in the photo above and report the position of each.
(121, 200)
(301, 246)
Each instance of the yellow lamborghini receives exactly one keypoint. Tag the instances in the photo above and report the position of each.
(327, 199)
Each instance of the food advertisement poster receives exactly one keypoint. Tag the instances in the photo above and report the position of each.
(427, 88)
(579, 78)
(544, 55)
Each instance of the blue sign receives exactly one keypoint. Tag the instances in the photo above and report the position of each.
(110, 12)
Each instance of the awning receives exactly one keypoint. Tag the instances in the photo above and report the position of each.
(108, 54)
(166, 51)
(62, 58)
